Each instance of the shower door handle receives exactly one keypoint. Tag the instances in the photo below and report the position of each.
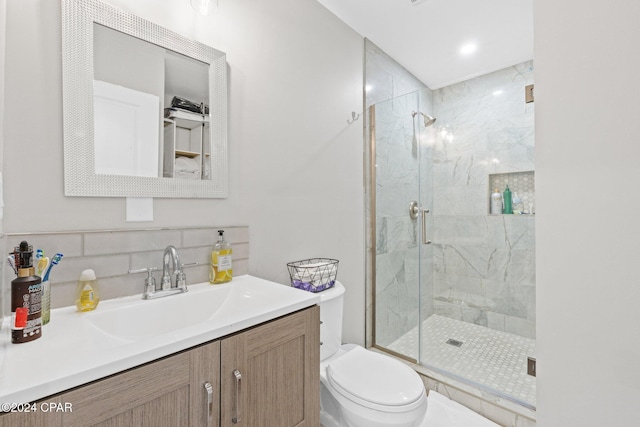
(425, 241)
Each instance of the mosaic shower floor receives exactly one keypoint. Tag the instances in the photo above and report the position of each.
(493, 359)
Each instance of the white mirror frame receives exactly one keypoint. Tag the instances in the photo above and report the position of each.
(80, 179)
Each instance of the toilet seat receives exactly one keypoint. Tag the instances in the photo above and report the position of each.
(355, 375)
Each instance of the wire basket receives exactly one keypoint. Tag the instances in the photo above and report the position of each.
(313, 274)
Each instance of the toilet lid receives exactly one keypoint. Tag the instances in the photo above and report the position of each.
(375, 378)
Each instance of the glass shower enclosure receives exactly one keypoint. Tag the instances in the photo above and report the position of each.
(452, 285)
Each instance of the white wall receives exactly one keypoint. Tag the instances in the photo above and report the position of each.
(3, 17)
(588, 229)
(295, 164)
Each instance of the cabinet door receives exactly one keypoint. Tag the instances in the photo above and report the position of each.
(270, 374)
(169, 392)
(156, 394)
(205, 385)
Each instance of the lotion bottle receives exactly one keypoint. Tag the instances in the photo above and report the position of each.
(220, 270)
(496, 202)
(87, 291)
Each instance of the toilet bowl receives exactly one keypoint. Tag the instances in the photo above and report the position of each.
(359, 387)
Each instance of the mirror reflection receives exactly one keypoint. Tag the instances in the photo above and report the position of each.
(151, 109)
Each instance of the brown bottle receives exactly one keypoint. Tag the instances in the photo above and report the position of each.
(26, 297)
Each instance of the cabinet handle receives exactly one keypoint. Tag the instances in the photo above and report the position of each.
(209, 388)
(238, 376)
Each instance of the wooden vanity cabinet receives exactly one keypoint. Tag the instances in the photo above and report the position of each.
(267, 375)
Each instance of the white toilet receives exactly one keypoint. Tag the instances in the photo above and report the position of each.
(361, 388)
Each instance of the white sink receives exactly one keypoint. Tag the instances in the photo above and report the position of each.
(243, 301)
(136, 318)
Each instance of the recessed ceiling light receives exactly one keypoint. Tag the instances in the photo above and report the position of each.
(468, 48)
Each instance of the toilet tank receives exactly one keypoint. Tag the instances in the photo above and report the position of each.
(331, 304)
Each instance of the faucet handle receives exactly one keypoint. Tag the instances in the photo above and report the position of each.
(181, 277)
(149, 282)
(188, 264)
(144, 270)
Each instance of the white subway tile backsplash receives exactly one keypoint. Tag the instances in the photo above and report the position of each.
(241, 250)
(68, 244)
(112, 253)
(130, 241)
(69, 269)
(208, 236)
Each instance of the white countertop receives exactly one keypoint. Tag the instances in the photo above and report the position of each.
(73, 350)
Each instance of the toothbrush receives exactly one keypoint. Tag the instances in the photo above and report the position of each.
(12, 262)
(43, 264)
(54, 261)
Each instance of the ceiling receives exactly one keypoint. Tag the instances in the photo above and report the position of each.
(426, 36)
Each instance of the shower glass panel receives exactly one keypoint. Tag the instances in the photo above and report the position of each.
(454, 286)
(402, 199)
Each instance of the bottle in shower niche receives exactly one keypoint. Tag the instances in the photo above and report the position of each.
(496, 202)
(220, 269)
(26, 297)
(508, 208)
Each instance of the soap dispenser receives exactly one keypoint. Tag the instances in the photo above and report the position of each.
(87, 291)
(220, 269)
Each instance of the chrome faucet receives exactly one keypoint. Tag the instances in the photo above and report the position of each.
(165, 283)
(170, 255)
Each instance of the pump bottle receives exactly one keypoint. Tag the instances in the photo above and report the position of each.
(508, 208)
(220, 270)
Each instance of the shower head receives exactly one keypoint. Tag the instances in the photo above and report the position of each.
(428, 120)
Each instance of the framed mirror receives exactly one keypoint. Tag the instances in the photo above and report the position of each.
(145, 109)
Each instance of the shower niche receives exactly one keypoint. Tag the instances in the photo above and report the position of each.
(523, 192)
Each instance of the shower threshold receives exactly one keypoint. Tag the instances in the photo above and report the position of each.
(491, 360)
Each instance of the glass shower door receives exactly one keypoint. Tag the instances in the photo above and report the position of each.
(399, 212)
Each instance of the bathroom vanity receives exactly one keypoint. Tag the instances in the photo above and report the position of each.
(261, 370)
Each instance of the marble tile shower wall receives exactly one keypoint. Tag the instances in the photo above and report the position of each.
(484, 266)
(111, 254)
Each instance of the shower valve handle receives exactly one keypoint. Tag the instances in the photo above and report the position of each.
(413, 210)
